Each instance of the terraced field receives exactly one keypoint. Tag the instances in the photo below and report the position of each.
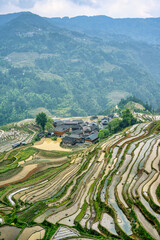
(106, 191)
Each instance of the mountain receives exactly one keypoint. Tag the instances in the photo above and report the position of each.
(70, 73)
(8, 17)
(139, 29)
(144, 30)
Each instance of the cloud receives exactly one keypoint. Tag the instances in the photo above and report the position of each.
(60, 8)
(26, 4)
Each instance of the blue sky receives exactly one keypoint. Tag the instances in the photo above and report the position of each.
(71, 8)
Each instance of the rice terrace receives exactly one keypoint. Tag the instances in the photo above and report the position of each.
(106, 190)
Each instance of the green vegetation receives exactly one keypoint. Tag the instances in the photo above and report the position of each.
(117, 125)
(147, 107)
(82, 213)
(29, 215)
(41, 119)
(26, 153)
(158, 191)
(54, 154)
(9, 173)
(50, 230)
(14, 157)
(54, 138)
(103, 133)
(67, 75)
(49, 124)
(154, 127)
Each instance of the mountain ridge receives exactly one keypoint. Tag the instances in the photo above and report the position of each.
(141, 29)
(145, 29)
(69, 73)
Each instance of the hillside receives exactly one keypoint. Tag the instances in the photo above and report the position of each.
(69, 73)
(144, 30)
(108, 190)
(139, 29)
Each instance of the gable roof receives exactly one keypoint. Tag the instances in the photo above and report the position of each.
(68, 139)
(61, 128)
(75, 136)
(92, 137)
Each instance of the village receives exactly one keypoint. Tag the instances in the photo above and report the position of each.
(79, 131)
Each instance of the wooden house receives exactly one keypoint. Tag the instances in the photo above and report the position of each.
(67, 140)
(92, 138)
(61, 130)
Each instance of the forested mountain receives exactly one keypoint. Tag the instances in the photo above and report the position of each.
(70, 73)
(139, 29)
(144, 30)
(8, 17)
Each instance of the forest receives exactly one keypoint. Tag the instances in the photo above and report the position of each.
(68, 73)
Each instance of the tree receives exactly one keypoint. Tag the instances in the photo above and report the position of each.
(49, 124)
(114, 125)
(103, 133)
(128, 118)
(41, 119)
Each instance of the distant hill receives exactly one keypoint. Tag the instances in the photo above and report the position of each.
(70, 73)
(8, 17)
(139, 29)
(123, 30)
(134, 104)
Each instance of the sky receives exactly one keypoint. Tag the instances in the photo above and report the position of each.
(71, 8)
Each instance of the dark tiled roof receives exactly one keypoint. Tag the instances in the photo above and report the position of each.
(70, 123)
(87, 129)
(78, 131)
(92, 137)
(69, 140)
(75, 136)
(61, 128)
(16, 145)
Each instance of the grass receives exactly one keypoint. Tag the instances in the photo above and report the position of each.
(26, 153)
(10, 173)
(7, 162)
(98, 210)
(13, 153)
(14, 157)
(31, 213)
(2, 155)
(158, 191)
(7, 127)
(82, 213)
(8, 167)
(50, 229)
(54, 154)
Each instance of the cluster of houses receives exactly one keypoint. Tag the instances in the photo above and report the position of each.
(78, 131)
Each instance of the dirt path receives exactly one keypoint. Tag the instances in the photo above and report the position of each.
(49, 145)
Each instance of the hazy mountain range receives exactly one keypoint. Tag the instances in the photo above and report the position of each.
(76, 66)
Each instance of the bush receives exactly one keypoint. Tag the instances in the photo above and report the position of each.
(54, 138)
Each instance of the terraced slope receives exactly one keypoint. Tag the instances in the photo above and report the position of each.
(107, 190)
